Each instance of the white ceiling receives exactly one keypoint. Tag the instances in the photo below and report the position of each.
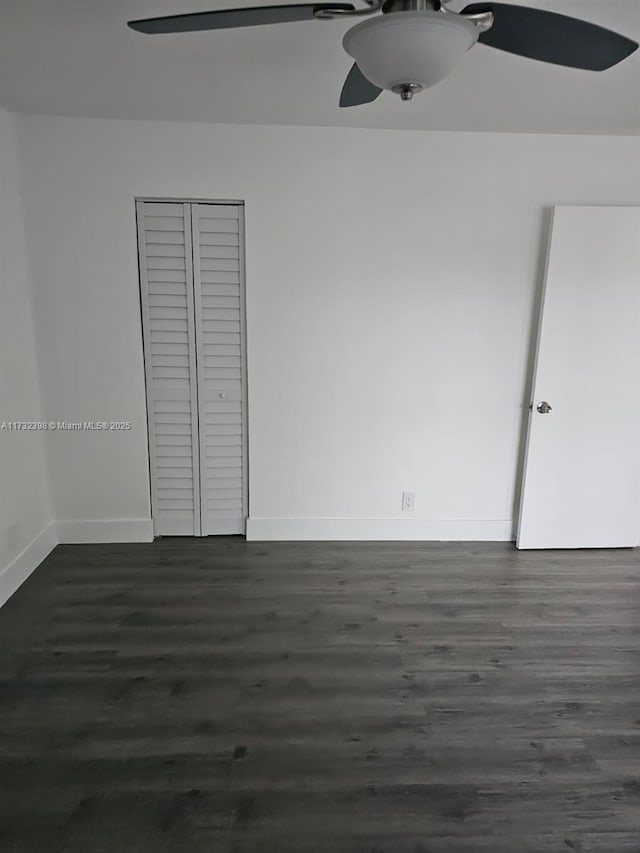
(77, 57)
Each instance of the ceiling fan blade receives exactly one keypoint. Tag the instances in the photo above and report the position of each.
(550, 37)
(357, 89)
(226, 18)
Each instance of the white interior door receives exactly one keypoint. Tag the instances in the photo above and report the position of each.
(581, 486)
(168, 323)
(219, 305)
(193, 316)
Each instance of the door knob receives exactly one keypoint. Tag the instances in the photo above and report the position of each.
(544, 408)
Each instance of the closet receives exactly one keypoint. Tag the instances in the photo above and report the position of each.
(193, 321)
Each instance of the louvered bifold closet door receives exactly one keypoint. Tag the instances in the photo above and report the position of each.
(166, 278)
(219, 305)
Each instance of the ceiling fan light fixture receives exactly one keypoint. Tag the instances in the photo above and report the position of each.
(407, 52)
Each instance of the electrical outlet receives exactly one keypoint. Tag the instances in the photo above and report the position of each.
(408, 501)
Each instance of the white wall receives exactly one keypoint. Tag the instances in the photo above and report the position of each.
(391, 280)
(25, 516)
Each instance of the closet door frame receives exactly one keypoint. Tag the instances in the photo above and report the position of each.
(194, 308)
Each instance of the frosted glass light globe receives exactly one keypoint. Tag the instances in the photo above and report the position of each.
(410, 47)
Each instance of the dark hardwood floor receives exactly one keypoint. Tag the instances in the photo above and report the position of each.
(218, 696)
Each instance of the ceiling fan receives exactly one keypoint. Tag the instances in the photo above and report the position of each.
(416, 43)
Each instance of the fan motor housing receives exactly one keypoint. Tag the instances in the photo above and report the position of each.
(411, 6)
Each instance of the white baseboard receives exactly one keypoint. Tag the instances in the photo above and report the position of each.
(111, 530)
(380, 529)
(16, 573)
